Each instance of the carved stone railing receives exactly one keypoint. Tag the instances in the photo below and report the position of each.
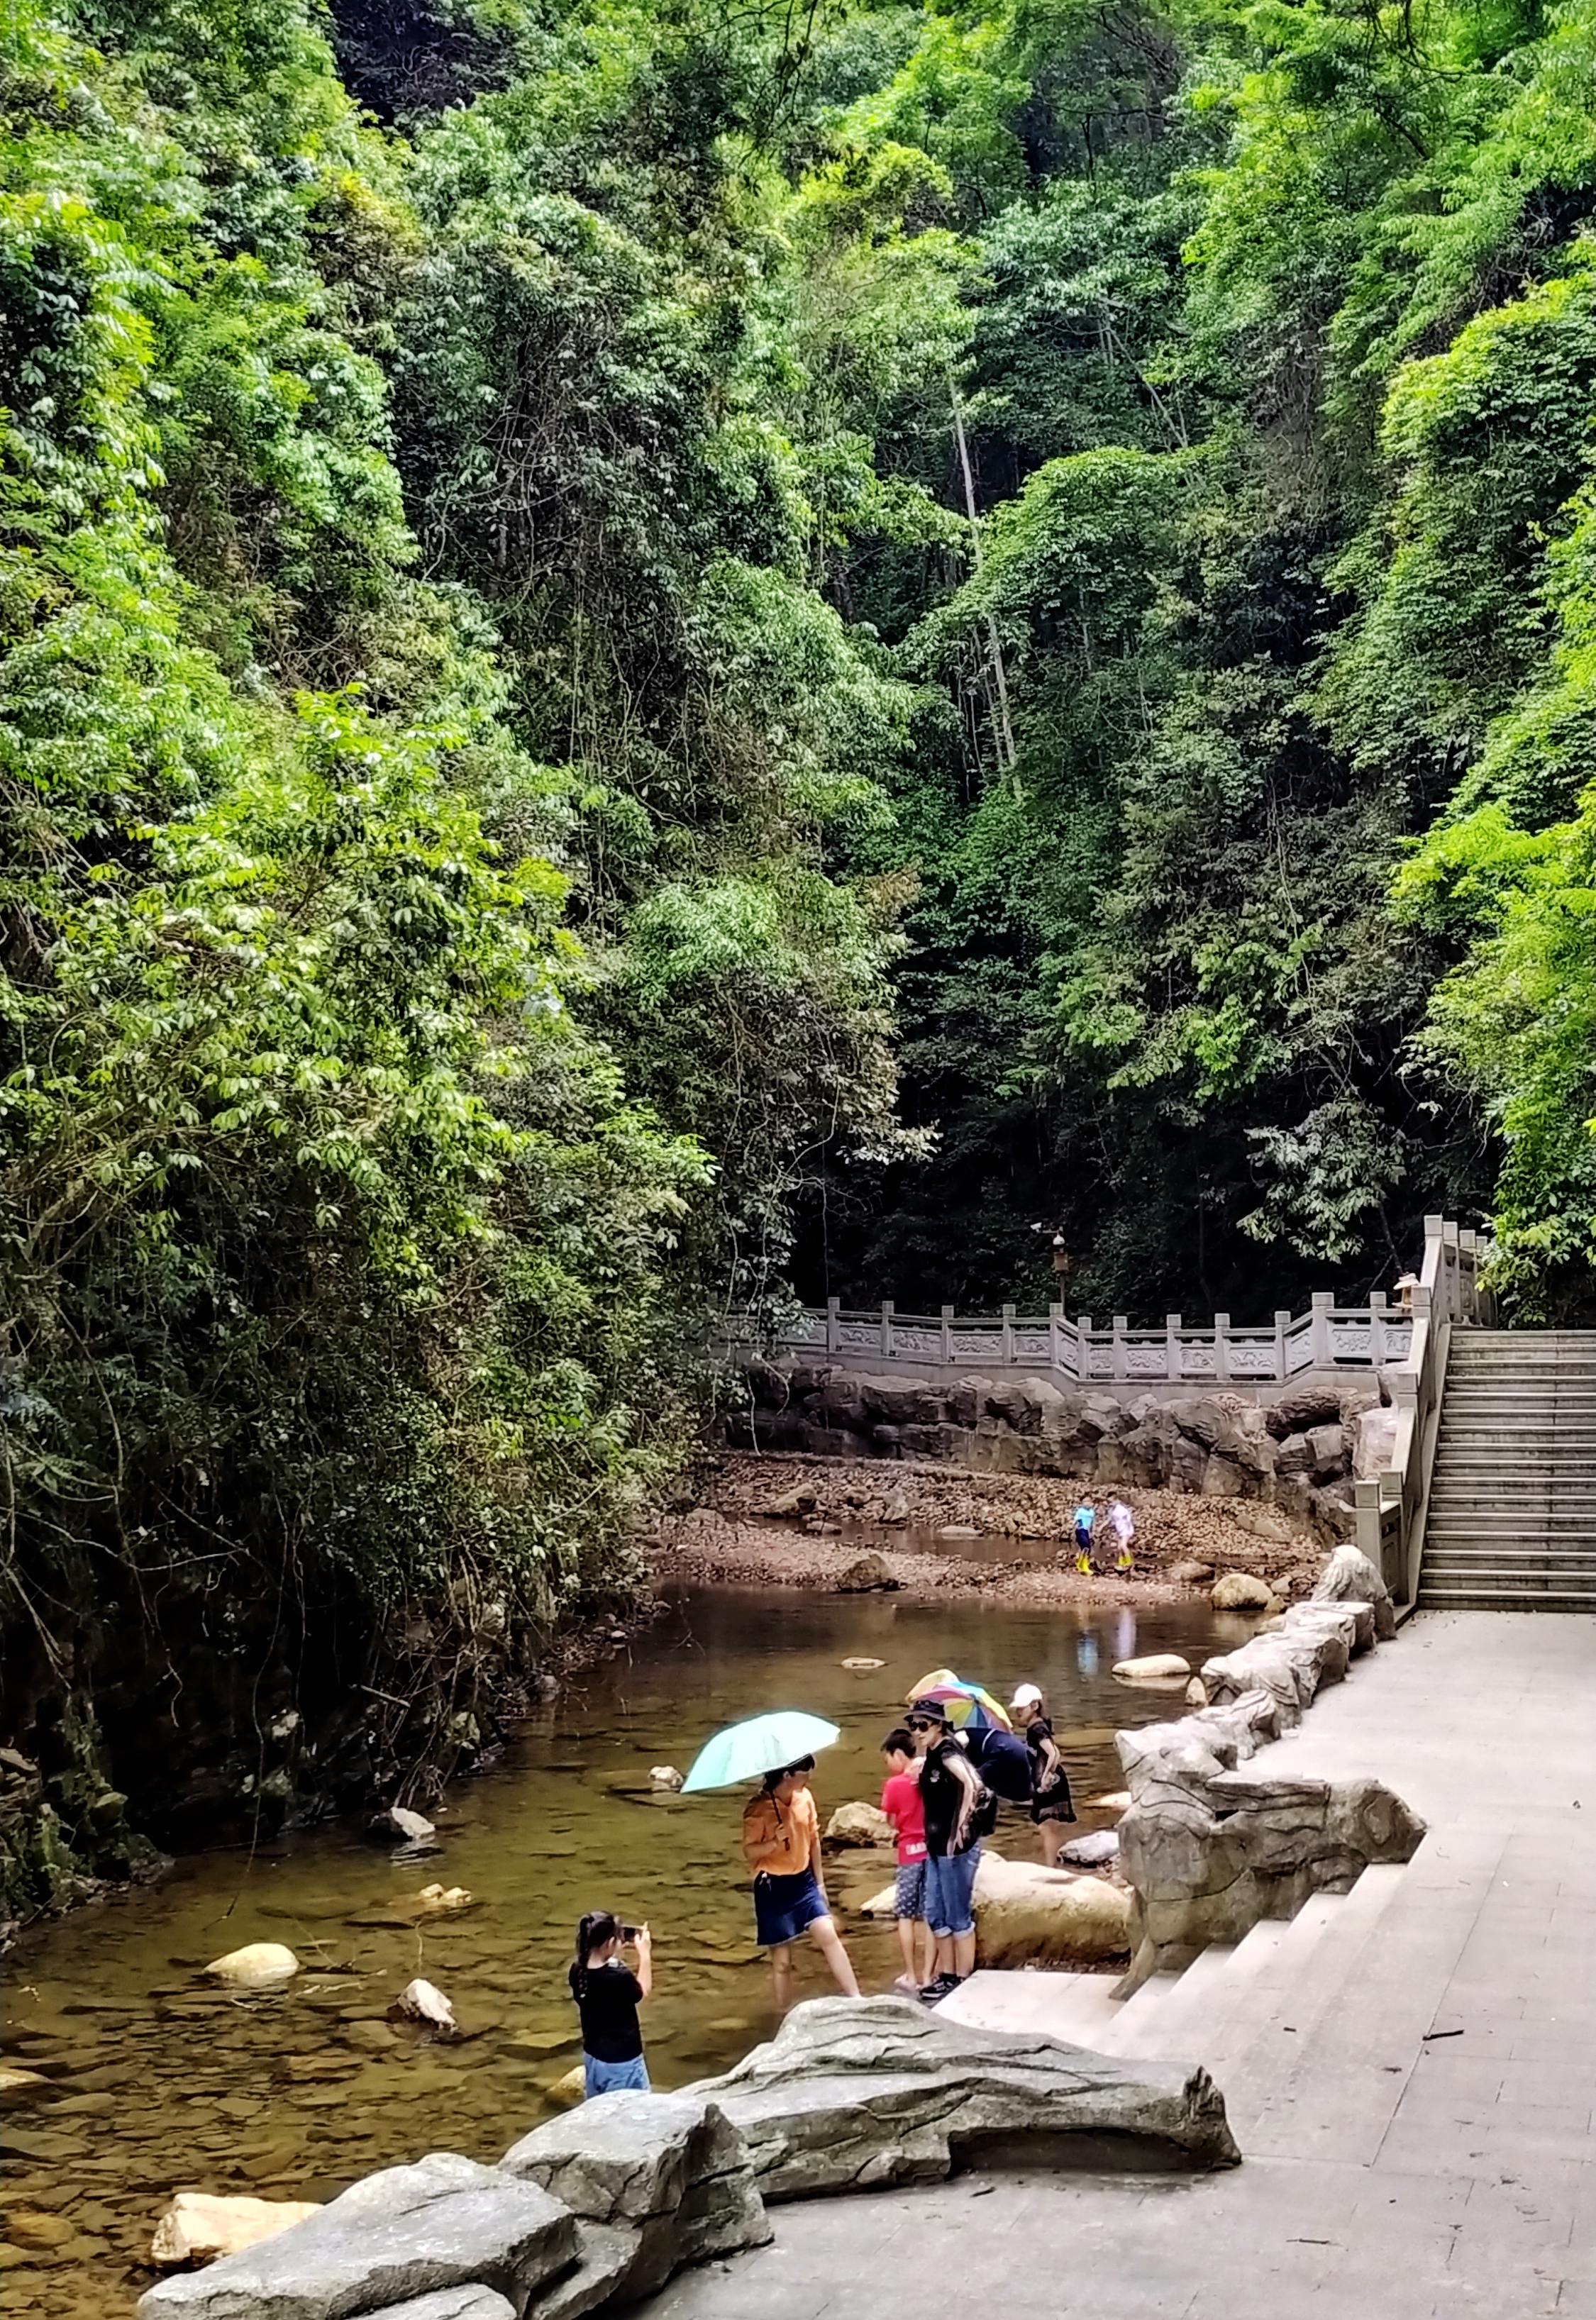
(1391, 1506)
(1328, 1336)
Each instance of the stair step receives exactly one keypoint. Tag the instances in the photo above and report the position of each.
(1474, 1596)
(1259, 2040)
(1223, 1990)
(1146, 2017)
(1079, 2008)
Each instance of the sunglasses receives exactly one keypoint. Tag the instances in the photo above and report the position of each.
(922, 1723)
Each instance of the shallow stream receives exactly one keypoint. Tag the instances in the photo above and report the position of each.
(166, 2083)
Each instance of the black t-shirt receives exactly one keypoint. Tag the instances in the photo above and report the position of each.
(1003, 1762)
(943, 1790)
(607, 1998)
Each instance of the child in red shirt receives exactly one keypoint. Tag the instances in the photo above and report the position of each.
(903, 1806)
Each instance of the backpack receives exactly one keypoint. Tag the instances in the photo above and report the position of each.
(984, 1814)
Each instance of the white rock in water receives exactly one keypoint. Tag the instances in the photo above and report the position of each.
(858, 1663)
(664, 1776)
(423, 2001)
(410, 1825)
(1158, 1667)
(958, 1530)
(443, 1899)
(18, 2086)
(1196, 1693)
(1090, 1851)
(200, 2226)
(255, 1965)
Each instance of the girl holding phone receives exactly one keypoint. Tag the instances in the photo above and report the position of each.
(608, 1994)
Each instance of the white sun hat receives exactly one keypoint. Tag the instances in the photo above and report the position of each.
(1027, 1696)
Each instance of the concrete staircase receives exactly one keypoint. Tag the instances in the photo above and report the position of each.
(1511, 1521)
(1284, 2021)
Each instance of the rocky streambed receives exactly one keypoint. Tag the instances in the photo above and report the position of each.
(154, 2080)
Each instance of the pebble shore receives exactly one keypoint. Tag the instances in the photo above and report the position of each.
(730, 1537)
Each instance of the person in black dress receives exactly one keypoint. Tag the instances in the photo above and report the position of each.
(1050, 1800)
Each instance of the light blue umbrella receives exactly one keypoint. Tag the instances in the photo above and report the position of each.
(759, 1745)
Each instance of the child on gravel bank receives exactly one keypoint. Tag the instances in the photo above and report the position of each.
(903, 1806)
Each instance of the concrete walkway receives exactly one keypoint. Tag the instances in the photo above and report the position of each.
(1392, 2172)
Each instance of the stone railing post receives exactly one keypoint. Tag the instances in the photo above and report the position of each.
(1282, 1322)
(1468, 1275)
(1008, 1333)
(1366, 1500)
(1221, 1349)
(886, 1329)
(1122, 1359)
(1172, 1337)
(1320, 1340)
(1377, 1327)
(948, 1333)
(1084, 1347)
(1055, 1335)
(833, 1329)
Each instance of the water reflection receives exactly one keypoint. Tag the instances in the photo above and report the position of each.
(166, 2082)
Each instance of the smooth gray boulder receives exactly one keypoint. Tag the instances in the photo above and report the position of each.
(857, 2094)
(1349, 1577)
(657, 2181)
(444, 2222)
(470, 2303)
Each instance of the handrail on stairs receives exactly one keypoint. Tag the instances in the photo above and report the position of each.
(1390, 1508)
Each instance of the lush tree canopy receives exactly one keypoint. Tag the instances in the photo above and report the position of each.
(654, 653)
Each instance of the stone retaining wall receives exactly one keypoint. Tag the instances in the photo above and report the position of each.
(1299, 1451)
(1209, 1849)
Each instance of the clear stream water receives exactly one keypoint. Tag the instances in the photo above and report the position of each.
(165, 2082)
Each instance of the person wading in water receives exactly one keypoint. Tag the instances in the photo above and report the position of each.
(1050, 1800)
(608, 1994)
(781, 1842)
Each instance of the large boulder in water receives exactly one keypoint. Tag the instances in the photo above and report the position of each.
(853, 1825)
(257, 1966)
(857, 2094)
(445, 2222)
(1027, 1915)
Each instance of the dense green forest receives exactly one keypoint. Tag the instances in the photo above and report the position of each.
(658, 654)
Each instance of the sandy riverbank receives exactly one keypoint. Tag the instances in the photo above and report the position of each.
(858, 1507)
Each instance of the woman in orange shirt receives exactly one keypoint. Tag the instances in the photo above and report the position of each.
(781, 1840)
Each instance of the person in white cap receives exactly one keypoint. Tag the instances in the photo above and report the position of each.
(1050, 1800)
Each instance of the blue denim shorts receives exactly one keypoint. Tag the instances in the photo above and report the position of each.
(614, 2078)
(950, 1880)
(783, 1905)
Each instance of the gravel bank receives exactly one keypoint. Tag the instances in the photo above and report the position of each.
(858, 1507)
